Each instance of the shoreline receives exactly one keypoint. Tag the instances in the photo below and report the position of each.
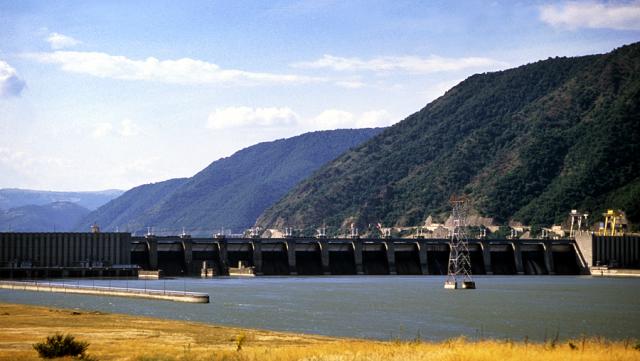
(125, 337)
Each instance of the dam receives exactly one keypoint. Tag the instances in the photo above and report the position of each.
(42, 255)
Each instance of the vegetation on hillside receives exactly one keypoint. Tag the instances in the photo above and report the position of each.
(231, 192)
(528, 144)
(57, 216)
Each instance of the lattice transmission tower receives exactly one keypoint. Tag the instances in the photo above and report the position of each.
(459, 270)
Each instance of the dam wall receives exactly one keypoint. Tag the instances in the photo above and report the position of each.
(120, 254)
(354, 256)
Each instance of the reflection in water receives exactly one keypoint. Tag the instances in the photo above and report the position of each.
(387, 306)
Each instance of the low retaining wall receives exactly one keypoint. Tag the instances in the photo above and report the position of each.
(177, 296)
(614, 272)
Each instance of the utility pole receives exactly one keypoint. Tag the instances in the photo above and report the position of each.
(459, 263)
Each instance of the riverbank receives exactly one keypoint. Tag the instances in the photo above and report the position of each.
(123, 337)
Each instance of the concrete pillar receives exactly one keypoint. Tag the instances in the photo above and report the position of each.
(291, 255)
(424, 260)
(187, 252)
(584, 242)
(125, 248)
(324, 252)
(548, 257)
(152, 247)
(391, 256)
(224, 257)
(517, 254)
(100, 247)
(257, 256)
(357, 255)
(486, 257)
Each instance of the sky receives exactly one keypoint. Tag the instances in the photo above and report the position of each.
(114, 94)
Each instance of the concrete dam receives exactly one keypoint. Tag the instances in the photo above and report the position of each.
(120, 254)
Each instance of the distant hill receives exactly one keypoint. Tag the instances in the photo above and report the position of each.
(526, 144)
(13, 197)
(230, 192)
(56, 216)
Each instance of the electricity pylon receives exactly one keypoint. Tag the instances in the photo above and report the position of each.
(459, 263)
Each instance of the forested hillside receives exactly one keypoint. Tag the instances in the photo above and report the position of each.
(527, 144)
(229, 193)
(56, 216)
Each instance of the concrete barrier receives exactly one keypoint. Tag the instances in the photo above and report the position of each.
(177, 296)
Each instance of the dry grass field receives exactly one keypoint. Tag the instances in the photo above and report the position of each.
(122, 337)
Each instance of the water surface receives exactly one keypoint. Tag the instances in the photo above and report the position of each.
(385, 307)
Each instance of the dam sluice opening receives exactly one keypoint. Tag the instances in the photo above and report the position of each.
(533, 260)
(275, 260)
(208, 255)
(565, 260)
(374, 259)
(308, 260)
(171, 260)
(140, 255)
(407, 260)
(438, 259)
(503, 261)
(237, 253)
(342, 260)
(477, 260)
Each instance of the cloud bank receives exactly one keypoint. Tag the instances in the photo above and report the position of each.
(10, 83)
(574, 15)
(60, 41)
(277, 117)
(180, 71)
(408, 64)
(241, 117)
(126, 128)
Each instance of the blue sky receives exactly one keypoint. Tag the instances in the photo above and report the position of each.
(97, 94)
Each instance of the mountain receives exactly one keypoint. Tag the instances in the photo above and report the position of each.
(230, 192)
(13, 197)
(526, 144)
(56, 216)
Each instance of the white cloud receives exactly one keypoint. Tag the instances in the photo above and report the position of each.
(239, 117)
(129, 128)
(273, 117)
(101, 130)
(126, 128)
(29, 163)
(333, 119)
(374, 118)
(60, 41)
(350, 84)
(180, 71)
(574, 15)
(408, 64)
(336, 119)
(10, 83)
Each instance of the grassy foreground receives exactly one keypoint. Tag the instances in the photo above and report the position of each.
(122, 337)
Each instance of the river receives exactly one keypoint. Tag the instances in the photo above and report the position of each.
(386, 307)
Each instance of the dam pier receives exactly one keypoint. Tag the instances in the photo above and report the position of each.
(47, 255)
